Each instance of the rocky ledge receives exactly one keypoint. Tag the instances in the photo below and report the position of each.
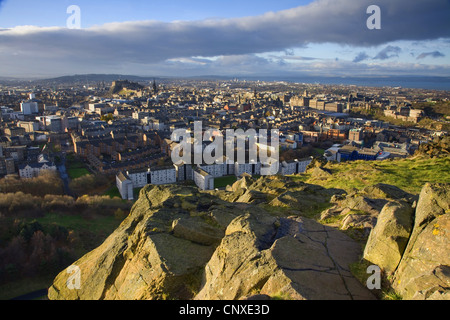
(263, 237)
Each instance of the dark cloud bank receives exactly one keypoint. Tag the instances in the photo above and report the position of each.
(146, 42)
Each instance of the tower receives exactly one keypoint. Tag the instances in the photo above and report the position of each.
(155, 88)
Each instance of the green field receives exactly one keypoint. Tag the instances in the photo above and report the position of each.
(222, 182)
(77, 172)
(96, 225)
(407, 174)
(75, 168)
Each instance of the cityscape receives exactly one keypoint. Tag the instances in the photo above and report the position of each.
(103, 196)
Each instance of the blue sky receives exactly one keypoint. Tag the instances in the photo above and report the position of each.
(246, 37)
(53, 12)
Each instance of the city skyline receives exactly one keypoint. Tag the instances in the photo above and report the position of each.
(251, 38)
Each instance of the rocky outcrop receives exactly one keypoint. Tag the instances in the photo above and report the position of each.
(179, 243)
(305, 260)
(258, 239)
(439, 147)
(423, 271)
(413, 245)
(360, 209)
(388, 239)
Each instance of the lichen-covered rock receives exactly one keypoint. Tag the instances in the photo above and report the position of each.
(180, 243)
(305, 261)
(388, 239)
(423, 270)
(386, 191)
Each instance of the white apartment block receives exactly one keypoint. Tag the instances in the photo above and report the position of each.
(125, 186)
(163, 175)
(139, 178)
(289, 167)
(203, 179)
(216, 170)
(32, 170)
(29, 107)
(250, 168)
(302, 164)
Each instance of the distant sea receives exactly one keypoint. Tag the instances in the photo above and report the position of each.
(414, 82)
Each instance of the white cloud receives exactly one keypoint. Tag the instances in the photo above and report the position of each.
(237, 41)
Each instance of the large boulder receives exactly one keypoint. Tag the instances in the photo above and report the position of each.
(305, 261)
(389, 237)
(386, 191)
(156, 253)
(423, 272)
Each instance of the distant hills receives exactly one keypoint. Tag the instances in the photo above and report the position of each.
(425, 82)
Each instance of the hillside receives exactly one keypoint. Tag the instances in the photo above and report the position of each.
(281, 237)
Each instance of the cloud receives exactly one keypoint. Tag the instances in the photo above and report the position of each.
(301, 58)
(361, 57)
(151, 42)
(388, 52)
(434, 54)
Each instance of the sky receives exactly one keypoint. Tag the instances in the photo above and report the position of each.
(225, 37)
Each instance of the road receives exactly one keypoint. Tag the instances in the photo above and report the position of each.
(64, 176)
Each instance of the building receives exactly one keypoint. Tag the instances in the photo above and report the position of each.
(302, 164)
(31, 170)
(163, 175)
(184, 171)
(7, 166)
(29, 107)
(250, 168)
(29, 126)
(203, 179)
(216, 170)
(125, 186)
(139, 178)
(355, 135)
(333, 107)
(289, 167)
(331, 153)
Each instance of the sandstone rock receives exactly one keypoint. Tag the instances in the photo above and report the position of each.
(305, 261)
(359, 221)
(386, 191)
(142, 259)
(427, 251)
(179, 243)
(197, 231)
(388, 239)
(358, 202)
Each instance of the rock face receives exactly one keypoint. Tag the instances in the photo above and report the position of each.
(388, 240)
(179, 243)
(414, 247)
(293, 257)
(424, 269)
(258, 239)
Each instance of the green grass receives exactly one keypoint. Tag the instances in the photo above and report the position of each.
(75, 173)
(113, 192)
(319, 151)
(24, 286)
(222, 182)
(407, 174)
(96, 225)
(75, 168)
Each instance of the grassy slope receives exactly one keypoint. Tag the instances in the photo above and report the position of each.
(407, 174)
